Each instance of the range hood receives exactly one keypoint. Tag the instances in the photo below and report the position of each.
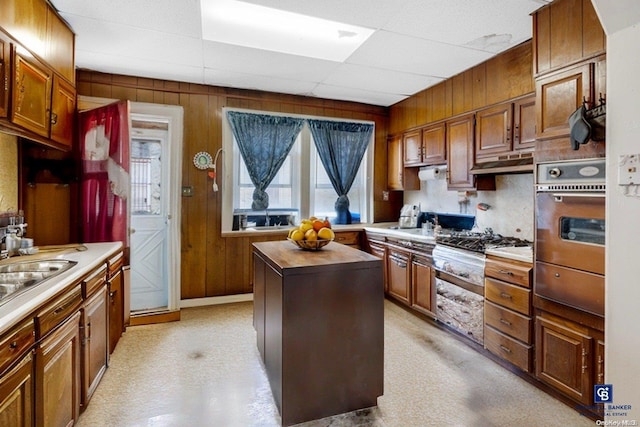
(515, 163)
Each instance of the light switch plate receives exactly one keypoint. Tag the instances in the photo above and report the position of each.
(629, 169)
(187, 191)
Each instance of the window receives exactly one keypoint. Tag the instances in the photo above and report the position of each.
(301, 185)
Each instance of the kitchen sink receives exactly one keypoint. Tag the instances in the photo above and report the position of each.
(17, 277)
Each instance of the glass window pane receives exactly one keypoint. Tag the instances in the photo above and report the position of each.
(146, 175)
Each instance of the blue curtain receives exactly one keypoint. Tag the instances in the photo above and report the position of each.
(264, 142)
(341, 146)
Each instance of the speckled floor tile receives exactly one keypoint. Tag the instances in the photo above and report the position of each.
(205, 370)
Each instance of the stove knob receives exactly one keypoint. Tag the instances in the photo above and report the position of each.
(555, 172)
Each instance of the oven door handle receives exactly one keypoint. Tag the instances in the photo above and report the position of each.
(558, 197)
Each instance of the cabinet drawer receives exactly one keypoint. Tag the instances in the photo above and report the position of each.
(511, 296)
(56, 312)
(94, 281)
(508, 271)
(348, 237)
(115, 264)
(15, 342)
(508, 348)
(508, 321)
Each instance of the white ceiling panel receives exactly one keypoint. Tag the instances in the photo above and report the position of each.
(223, 56)
(398, 52)
(379, 80)
(416, 44)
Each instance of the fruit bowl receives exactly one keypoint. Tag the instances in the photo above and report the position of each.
(310, 245)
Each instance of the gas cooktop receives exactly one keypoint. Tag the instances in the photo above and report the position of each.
(477, 241)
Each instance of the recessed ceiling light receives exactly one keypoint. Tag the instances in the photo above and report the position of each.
(260, 27)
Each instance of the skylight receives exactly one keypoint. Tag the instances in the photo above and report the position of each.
(244, 24)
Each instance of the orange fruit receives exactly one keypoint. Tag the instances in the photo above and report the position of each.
(317, 224)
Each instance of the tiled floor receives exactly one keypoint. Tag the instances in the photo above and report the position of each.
(205, 371)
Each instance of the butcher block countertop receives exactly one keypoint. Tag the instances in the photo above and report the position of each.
(286, 258)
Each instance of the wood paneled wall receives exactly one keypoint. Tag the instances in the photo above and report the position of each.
(213, 265)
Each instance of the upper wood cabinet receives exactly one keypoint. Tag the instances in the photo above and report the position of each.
(505, 128)
(460, 149)
(564, 33)
(434, 142)
(494, 130)
(399, 178)
(558, 95)
(412, 147)
(63, 111)
(31, 94)
(5, 74)
(524, 123)
(38, 72)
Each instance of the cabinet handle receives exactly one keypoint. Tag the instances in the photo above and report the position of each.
(13, 345)
(600, 370)
(584, 360)
(505, 349)
(505, 295)
(507, 272)
(505, 322)
(54, 118)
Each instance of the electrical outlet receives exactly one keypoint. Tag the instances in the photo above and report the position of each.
(629, 169)
(385, 196)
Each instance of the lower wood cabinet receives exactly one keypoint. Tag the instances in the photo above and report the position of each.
(16, 394)
(94, 334)
(349, 238)
(116, 300)
(57, 375)
(423, 293)
(565, 357)
(399, 274)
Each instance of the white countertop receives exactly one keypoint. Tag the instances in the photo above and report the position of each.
(415, 234)
(21, 305)
(518, 253)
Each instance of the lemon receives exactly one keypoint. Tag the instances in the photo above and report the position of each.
(326, 233)
(311, 235)
(296, 234)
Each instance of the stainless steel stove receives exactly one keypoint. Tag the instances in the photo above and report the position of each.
(459, 260)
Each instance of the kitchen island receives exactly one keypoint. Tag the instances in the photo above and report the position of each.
(319, 322)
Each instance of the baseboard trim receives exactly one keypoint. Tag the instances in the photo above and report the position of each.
(154, 317)
(225, 299)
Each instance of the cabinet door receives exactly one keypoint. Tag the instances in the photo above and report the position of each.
(563, 359)
(494, 131)
(423, 293)
(63, 109)
(399, 279)
(94, 343)
(557, 96)
(5, 73)
(394, 164)
(434, 144)
(31, 95)
(524, 123)
(459, 135)
(412, 143)
(116, 309)
(16, 395)
(58, 376)
(379, 250)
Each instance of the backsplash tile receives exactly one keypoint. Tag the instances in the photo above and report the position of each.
(512, 204)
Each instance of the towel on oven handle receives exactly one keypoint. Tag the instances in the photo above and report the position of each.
(409, 216)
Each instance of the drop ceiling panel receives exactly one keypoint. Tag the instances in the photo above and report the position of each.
(173, 17)
(227, 57)
(379, 80)
(350, 94)
(258, 82)
(403, 53)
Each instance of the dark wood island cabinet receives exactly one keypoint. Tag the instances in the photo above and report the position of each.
(319, 321)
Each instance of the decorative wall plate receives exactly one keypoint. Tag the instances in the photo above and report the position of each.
(202, 160)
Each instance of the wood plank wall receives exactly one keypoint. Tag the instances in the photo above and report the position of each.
(212, 265)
